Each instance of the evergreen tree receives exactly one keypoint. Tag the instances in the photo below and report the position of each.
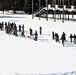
(28, 6)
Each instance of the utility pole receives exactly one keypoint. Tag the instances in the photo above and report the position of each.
(55, 12)
(53, 6)
(68, 10)
(60, 10)
(32, 10)
(65, 6)
(63, 13)
(39, 8)
(46, 1)
(58, 7)
(72, 9)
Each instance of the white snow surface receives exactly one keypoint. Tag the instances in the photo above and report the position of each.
(21, 55)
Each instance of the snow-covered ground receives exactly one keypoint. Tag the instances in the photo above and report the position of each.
(21, 55)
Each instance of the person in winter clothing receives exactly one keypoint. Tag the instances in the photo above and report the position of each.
(63, 38)
(56, 37)
(30, 32)
(53, 35)
(71, 37)
(22, 33)
(40, 30)
(16, 31)
(74, 38)
(36, 36)
(19, 28)
(1, 26)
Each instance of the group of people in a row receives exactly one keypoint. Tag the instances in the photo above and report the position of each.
(55, 36)
(12, 28)
(35, 34)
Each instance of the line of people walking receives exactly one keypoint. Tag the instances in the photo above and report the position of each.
(12, 28)
(55, 36)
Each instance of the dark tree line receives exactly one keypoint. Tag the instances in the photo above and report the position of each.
(26, 5)
(22, 5)
(71, 2)
(12, 4)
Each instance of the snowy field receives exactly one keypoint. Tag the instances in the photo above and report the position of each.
(24, 56)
